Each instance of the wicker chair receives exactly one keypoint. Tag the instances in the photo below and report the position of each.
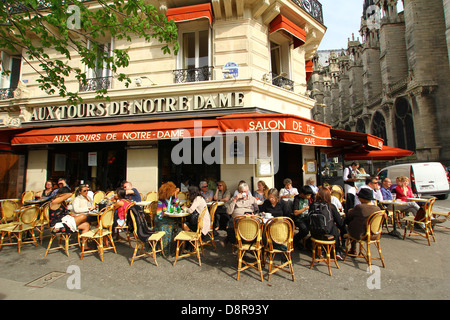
(211, 241)
(26, 218)
(280, 236)
(248, 230)
(328, 246)
(8, 212)
(43, 221)
(194, 238)
(99, 196)
(151, 196)
(425, 221)
(26, 196)
(153, 241)
(105, 221)
(372, 236)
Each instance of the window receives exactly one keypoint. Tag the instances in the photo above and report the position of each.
(279, 63)
(100, 76)
(195, 61)
(10, 81)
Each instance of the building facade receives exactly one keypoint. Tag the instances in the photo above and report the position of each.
(393, 83)
(239, 61)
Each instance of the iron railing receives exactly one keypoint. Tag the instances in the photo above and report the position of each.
(7, 93)
(193, 75)
(95, 84)
(313, 7)
(282, 82)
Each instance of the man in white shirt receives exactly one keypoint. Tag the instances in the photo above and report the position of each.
(372, 184)
(349, 185)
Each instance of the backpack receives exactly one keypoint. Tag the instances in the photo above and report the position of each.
(320, 219)
(143, 231)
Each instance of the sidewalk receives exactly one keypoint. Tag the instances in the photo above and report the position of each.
(413, 270)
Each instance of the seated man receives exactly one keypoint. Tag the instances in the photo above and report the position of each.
(356, 219)
(242, 203)
(301, 213)
(132, 194)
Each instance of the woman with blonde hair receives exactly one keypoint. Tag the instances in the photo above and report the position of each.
(261, 193)
(167, 200)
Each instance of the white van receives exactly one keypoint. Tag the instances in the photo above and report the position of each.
(426, 178)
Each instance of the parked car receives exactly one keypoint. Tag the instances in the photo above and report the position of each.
(427, 178)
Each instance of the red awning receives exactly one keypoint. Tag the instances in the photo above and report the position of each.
(292, 129)
(119, 132)
(5, 144)
(189, 13)
(342, 138)
(387, 153)
(281, 23)
(309, 69)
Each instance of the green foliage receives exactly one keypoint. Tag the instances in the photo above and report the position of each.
(31, 28)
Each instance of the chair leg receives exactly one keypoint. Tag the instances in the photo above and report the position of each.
(177, 252)
(258, 255)
(378, 244)
(240, 255)
(49, 244)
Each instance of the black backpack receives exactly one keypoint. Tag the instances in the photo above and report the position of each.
(320, 218)
(143, 231)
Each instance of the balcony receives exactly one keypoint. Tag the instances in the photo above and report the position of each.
(193, 74)
(95, 84)
(6, 93)
(313, 7)
(282, 82)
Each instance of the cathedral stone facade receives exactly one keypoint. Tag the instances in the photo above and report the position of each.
(395, 82)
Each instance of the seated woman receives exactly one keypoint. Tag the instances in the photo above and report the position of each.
(48, 189)
(274, 206)
(221, 217)
(82, 203)
(261, 193)
(120, 206)
(167, 199)
(196, 208)
(338, 230)
(404, 191)
(60, 219)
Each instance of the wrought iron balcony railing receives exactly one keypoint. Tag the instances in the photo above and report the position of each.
(96, 84)
(282, 82)
(193, 75)
(313, 7)
(7, 93)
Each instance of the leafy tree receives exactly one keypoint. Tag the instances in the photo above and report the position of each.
(31, 27)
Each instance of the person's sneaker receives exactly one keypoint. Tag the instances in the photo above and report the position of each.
(339, 256)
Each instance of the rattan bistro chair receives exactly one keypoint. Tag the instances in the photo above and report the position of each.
(211, 241)
(8, 212)
(194, 238)
(98, 197)
(43, 221)
(424, 222)
(153, 241)
(248, 230)
(328, 246)
(26, 218)
(374, 226)
(105, 221)
(280, 238)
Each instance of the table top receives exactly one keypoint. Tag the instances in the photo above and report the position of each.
(143, 203)
(393, 202)
(176, 214)
(418, 199)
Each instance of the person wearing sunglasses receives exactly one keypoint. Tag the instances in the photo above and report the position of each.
(82, 203)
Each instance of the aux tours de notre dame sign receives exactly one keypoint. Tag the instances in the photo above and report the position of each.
(139, 106)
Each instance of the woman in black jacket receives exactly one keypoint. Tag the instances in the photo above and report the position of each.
(274, 206)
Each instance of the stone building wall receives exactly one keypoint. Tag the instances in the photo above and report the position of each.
(395, 81)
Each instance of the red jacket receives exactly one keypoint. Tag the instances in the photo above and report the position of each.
(401, 195)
